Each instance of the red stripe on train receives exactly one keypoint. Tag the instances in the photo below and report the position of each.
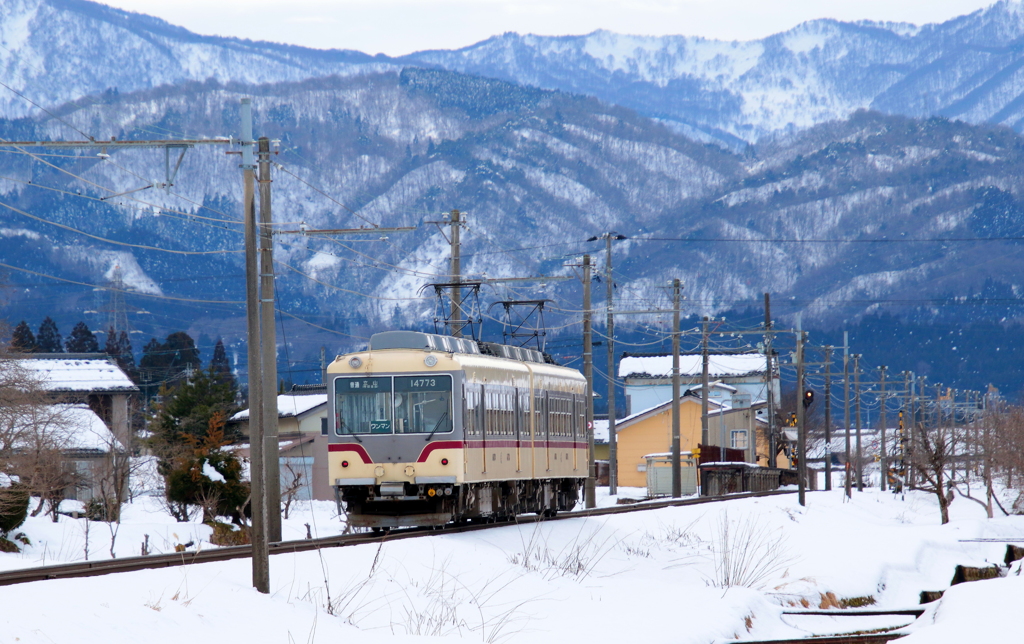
(350, 447)
(526, 444)
(438, 445)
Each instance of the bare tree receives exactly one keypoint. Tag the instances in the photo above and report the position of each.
(38, 457)
(933, 455)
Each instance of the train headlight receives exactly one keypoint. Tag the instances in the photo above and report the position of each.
(430, 361)
(355, 362)
(447, 491)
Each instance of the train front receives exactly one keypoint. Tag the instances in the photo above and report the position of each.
(395, 449)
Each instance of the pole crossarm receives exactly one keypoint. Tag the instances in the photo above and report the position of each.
(114, 143)
(346, 231)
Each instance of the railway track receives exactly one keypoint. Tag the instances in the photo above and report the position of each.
(129, 564)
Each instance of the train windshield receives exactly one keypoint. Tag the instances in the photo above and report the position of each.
(423, 404)
(363, 406)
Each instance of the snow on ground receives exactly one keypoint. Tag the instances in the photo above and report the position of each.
(648, 574)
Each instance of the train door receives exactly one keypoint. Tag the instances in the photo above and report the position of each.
(473, 421)
(545, 417)
(485, 394)
(525, 435)
(517, 420)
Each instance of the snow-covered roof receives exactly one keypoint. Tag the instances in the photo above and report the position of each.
(290, 405)
(719, 365)
(78, 374)
(71, 427)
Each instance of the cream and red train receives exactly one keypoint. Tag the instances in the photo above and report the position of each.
(426, 429)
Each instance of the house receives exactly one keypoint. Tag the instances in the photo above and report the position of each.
(648, 377)
(302, 436)
(91, 379)
(88, 418)
(650, 432)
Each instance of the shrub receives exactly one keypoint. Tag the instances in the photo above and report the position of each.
(13, 507)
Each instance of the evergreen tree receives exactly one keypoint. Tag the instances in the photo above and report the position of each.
(119, 347)
(187, 409)
(22, 340)
(171, 360)
(81, 340)
(49, 340)
(220, 367)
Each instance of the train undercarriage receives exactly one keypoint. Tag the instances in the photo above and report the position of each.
(392, 505)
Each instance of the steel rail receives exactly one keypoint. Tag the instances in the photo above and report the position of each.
(131, 564)
(865, 638)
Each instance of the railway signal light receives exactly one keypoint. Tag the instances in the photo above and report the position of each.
(808, 398)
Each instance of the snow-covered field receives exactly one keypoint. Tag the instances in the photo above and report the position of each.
(653, 575)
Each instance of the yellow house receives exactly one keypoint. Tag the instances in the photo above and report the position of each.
(650, 432)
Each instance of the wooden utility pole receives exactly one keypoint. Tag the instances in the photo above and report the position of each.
(883, 451)
(828, 418)
(456, 268)
(856, 392)
(257, 474)
(677, 473)
(801, 425)
(590, 491)
(268, 343)
(769, 381)
(704, 435)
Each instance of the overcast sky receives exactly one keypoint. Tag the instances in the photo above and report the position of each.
(398, 27)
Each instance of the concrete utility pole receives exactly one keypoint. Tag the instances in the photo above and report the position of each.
(613, 453)
(828, 418)
(801, 425)
(613, 456)
(846, 408)
(257, 474)
(677, 473)
(856, 393)
(456, 268)
(769, 381)
(704, 435)
(268, 338)
(590, 491)
(883, 456)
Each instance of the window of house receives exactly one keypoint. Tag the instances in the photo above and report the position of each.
(739, 439)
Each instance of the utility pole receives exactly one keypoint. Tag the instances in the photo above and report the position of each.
(268, 337)
(883, 456)
(801, 414)
(456, 268)
(846, 408)
(260, 547)
(677, 473)
(704, 436)
(590, 491)
(828, 418)
(769, 380)
(856, 391)
(613, 458)
(323, 364)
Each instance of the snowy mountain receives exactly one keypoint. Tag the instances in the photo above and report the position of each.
(968, 68)
(55, 51)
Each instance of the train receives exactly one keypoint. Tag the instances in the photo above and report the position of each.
(427, 429)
